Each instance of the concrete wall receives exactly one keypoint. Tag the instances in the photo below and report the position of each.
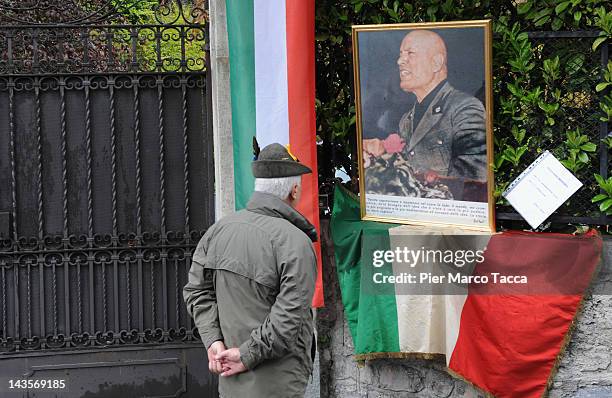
(585, 370)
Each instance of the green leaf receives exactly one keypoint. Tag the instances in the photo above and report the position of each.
(589, 147)
(561, 7)
(523, 8)
(519, 134)
(556, 24)
(599, 197)
(542, 17)
(577, 16)
(602, 86)
(393, 14)
(599, 179)
(605, 205)
(431, 12)
(568, 164)
(583, 157)
(499, 161)
(512, 88)
(598, 41)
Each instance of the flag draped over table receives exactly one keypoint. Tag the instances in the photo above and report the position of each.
(508, 344)
(272, 79)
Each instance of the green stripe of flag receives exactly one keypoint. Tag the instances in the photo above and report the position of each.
(354, 267)
(240, 30)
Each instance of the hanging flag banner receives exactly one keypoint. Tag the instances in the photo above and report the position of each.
(500, 313)
(272, 80)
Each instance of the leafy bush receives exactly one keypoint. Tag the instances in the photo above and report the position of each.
(543, 88)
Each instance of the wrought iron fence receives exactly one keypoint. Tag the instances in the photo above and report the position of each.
(581, 70)
(106, 156)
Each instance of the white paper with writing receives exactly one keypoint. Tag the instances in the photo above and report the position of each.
(544, 186)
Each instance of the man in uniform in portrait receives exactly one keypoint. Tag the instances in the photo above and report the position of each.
(443, 134)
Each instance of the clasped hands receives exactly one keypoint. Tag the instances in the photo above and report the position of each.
(224, 362)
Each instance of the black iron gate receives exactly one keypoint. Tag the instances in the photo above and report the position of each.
(106, 185)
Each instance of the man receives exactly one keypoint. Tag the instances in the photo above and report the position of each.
(251, 284)
(443, 134)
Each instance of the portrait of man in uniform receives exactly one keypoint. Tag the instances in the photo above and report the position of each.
(424, 133)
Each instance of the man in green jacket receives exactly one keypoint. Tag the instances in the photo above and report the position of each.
(251, 284)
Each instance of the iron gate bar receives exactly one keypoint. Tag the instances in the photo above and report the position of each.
(113, 152)
(3, 266)
(89, 168)
(62, 88)
(40, 158)
(185, 154)
(137, 156)
(11, 89)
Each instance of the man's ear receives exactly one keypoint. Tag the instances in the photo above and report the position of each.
(294, 191)
(437, 62)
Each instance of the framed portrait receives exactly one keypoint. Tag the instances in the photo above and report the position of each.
(424, 128)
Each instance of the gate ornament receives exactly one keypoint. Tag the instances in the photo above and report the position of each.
(88, 12)
(46, 37)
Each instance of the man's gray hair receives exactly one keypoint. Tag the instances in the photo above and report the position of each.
(279, 187)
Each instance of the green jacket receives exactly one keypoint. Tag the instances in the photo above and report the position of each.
(251, 284)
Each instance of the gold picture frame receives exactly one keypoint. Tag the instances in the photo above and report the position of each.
(451, 178)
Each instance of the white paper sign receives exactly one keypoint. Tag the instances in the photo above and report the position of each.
(544, 186)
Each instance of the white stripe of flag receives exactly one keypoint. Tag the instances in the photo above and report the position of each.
(271, 96)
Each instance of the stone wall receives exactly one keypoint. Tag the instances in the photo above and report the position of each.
(584, 371)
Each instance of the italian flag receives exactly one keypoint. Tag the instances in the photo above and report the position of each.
(506, 341)
(272, 79)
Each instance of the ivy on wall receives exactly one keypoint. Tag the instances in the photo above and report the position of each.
(550, 93)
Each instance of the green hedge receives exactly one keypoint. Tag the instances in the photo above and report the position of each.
(548, 93)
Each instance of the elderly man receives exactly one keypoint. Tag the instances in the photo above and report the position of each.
(251, 285)
(443, 134)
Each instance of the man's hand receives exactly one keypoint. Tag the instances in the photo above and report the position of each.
(230, 362)
(215, 348)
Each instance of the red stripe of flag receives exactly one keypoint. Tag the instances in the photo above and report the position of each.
(302, 125)
(508, 344)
